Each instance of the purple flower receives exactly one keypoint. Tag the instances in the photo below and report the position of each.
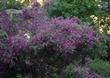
(66, 34)
(27, 14)
(6, 24)
(93, 76)
(7, 57)
(39, 38)
(18, 44)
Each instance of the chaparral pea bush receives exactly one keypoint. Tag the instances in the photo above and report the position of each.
(34, 46)
(67, 36)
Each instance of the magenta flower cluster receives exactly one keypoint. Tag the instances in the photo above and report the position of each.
(65, 35)
(93, 76)
(18, 44)
(6, 23)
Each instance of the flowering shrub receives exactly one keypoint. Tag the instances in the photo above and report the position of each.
(36, 45)
(5, 23)
(65, 35)
(18, 44)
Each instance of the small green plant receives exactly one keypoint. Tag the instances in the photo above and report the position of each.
(18, 76)
(14, 4)
(101, 67)
(70, 72)
(10, 4)
(3, 34)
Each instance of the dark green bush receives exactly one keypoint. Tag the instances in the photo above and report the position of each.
(101, 67)
(12, 4)
(68, 8)
(3, 34)
(70, 72)
(82, 9)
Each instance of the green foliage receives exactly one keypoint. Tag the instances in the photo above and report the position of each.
(18, 76)
(70, 72)
(3, 34)
(101, 67)
(10, 4)
(80, 8)
(104, 48)
(14, 4)
(39, 46)
(108, 49)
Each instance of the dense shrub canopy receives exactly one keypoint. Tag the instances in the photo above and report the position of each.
(36, 46)
(81, 9)
(66, 35)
